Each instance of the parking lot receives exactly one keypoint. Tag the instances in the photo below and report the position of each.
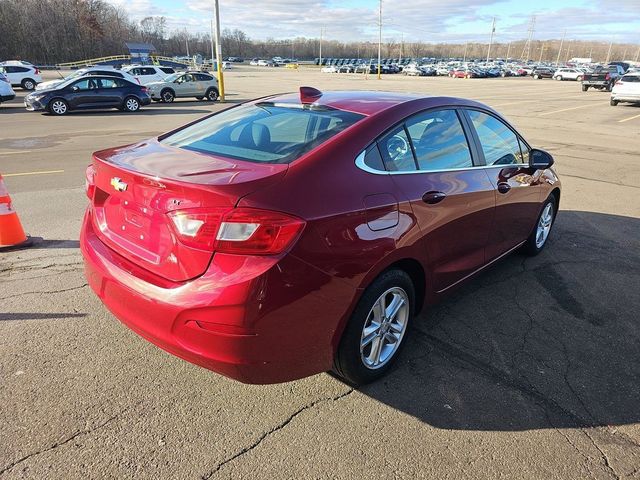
(531, 370)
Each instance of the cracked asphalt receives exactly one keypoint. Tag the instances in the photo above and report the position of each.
(531, 370)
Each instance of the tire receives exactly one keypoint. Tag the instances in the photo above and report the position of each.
(558, 78)
(613, 102)
(540, 234)
(579, 78)
(58, 107)
(199, 98)
(28, 84)
(167, 95)
(131, 104)
(536, 77)
(360, 363)
(212, 95)
(585, 88)
(609, 87)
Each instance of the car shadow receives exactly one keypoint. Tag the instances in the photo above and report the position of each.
(144, 111)
(39, 242)
(534, 342)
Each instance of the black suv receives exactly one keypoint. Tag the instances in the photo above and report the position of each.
(542, 72)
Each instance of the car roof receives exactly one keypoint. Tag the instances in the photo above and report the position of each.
(370, 103)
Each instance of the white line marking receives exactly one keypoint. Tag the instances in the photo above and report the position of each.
(570, 108)
(45, 172)
(627, 119)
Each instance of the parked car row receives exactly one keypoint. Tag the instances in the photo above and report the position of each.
(100, 87)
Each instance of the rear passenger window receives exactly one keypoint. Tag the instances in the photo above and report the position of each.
(499, 144)
(396, 151)
(439, 141)
(372, 158)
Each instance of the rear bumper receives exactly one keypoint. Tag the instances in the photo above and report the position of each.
(6, 98)
(626, 97)
(246, 318)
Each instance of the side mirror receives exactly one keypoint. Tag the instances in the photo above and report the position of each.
(75, 88)
(539, 159)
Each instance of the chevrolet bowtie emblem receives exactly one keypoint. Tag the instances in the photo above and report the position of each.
(118, 184)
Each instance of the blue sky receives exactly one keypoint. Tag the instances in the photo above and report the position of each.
(418, 20)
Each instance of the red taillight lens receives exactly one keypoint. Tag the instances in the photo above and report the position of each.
(37, 72)
(244, 231)
(607, 77)
(257, 232)
(89, 181)
(196, 228)
(145, 89)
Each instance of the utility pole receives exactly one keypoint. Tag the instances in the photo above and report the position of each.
(568, 51)
(560, 50)
(526, 51)
(493, 30)
(637, 55)
(508, 50)
(320, 63)
(213, 53)
(402, 45)
(624, 54)
(464, 56)
(609, 52)
(541, 50)
(186, 41)
(380, 41)
(216, 16)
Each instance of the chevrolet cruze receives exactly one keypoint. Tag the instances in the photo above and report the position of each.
(301, 233)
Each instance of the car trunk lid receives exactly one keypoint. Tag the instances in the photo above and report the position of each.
(137, 186)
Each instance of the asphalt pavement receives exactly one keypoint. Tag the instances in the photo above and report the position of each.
(531, 370)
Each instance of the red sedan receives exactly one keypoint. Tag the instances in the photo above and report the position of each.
(302, 233)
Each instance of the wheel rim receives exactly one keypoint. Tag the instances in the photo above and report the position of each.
(213, 96)
(167, 97)
(28, 85)
(59, 107)
(544, 225)
(384, 328)
(132, 104)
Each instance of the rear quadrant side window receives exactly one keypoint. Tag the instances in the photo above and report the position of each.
(439, 141)
(499, 143)
(263, 132)
(396, 151)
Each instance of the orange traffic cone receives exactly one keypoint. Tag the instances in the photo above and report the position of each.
(11, 233)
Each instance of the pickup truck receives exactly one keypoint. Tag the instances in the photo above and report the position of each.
(602, 78)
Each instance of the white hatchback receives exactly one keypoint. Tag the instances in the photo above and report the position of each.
(568, 74)
(21, 75)
(92, 71)
(627, 89)
(6, 92)
(146, 74)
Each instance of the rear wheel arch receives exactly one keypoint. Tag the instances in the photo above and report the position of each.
(556, 193)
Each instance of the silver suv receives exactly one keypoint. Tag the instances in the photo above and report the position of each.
(179, 85)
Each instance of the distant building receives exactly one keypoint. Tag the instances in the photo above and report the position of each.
(141, 52)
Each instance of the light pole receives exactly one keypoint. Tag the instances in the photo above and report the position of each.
(561, 42)
(216, 16)
(493, 30)
(380, 41)
(320, 62)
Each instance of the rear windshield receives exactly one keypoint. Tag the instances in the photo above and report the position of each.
(263, 132)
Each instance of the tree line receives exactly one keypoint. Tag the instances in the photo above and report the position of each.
(47, 32)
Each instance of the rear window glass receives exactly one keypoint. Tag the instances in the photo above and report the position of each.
(631, 78)
(264, 132)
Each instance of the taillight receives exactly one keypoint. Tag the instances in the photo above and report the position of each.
(89, 181)
(145, 89)
(607, 77)
(244, 231)
(37, 72)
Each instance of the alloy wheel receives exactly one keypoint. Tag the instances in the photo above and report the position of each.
(384, 328)
(544, 225)
(132, 104)
(59, 107)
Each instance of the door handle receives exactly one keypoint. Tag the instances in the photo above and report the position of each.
(433, 197)
(504, 187)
